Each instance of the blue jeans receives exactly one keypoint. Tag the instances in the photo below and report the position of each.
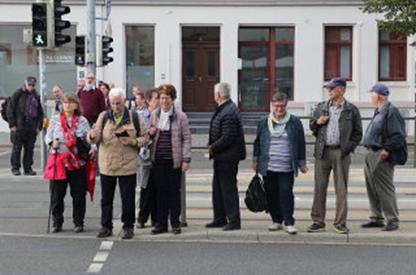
(279, 192)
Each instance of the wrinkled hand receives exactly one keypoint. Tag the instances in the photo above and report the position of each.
(185, 166)
(125, 140)
(13, 129)
(304, 169)
(92, 153)
(152, 131)
(55, 144)
(322, 120)
(383, 154)
(93, 133)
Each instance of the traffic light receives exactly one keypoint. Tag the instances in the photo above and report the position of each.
(40, 24)
(80, 50)
(59, 24)
(106, 49)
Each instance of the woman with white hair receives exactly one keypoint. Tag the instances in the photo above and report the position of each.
(119, 132)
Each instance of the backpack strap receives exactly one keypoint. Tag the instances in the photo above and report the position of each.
(136, 122)
(105, 119)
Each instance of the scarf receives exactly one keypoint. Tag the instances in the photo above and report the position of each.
(164, 121)
(70, 141)
(277, 127)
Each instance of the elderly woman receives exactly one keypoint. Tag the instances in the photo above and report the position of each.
(279, 151)
(61, 136)
(120, 133)
(171, 154)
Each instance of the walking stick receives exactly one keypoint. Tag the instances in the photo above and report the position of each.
(48, 229)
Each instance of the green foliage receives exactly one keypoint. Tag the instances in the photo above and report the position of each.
(399, 15)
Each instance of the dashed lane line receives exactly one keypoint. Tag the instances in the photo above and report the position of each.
(101, 257)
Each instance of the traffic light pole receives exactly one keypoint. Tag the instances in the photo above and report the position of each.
(42, 91)
(91, 43)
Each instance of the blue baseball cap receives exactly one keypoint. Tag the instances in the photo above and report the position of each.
(335, 82)
(380, 89)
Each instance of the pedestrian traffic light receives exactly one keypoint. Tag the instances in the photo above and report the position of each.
(59, 24)
(80, 50)
(40, 24)
(104, 48)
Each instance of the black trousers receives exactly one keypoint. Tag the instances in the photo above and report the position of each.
(147, 201)
(279, 192)
(127, 185)
(225, 193)
(23, 138)
(78, 189)
(168, 198)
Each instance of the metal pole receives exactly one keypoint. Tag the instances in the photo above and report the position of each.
(414, 136)
(91, 43)
(42, 88)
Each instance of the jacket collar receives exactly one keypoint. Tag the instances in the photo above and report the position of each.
(159, 110)
(222, 106)
(126, 117)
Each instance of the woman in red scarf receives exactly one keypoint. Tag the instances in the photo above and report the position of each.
(61, 137)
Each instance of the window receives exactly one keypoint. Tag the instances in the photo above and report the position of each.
(140, 54)
(392, 56)
(267, 56)
(338, 52)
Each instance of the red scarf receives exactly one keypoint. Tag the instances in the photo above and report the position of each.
(70, 140)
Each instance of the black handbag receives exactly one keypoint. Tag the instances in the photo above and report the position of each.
(83, 148)
(256, 200)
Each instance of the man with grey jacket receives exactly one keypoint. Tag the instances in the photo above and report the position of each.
(336, 124)
(385, 139)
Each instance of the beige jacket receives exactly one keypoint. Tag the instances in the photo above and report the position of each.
(115, 158)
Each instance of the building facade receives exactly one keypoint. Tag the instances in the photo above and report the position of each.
(259, 47)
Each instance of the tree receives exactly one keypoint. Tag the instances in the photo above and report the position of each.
(399, 15)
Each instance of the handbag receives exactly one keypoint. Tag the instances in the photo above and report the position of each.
(83, 148)
(256, 200)
(55, 167)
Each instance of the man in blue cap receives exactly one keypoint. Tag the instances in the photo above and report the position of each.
(336, 124)
(385, 139)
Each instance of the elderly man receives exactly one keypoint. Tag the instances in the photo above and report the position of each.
(227, 147)
(25, 115)
(336, 124)
(92, 99)
(57, 93)
(385, 139)
(120, 133)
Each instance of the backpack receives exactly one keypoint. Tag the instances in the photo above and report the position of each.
(256, 200)
(4, 106)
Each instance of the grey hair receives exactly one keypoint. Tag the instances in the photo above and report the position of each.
(279, 96)
(117, 92)
(224, 89)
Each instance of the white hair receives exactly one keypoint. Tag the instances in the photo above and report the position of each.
(117, 92)
(224, 89)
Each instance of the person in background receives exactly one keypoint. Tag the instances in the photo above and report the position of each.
(92, 99)
(171, 155)
(57, 93)
(105, 89)
(131, 102)
(279, 152)
(64, 128)
(145, 175)
(80, 84)
(25, 115)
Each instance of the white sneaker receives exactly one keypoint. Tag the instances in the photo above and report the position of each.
(291, 229)
(275, 226)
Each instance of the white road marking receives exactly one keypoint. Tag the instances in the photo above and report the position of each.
(95, 268)
(101, 256)
(106, 245)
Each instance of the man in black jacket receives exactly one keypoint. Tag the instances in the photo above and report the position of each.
(385, 139)
(25, 115)
(227, 147)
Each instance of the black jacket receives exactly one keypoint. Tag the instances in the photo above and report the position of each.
(350, 128)
(226, 134)
(16, 110)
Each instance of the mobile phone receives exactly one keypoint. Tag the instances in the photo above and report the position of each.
(122, 134)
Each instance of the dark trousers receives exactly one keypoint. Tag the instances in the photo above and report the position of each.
(147, 201)
(279, 192)
(78, 188)
(225, 193)
(168, 197)
(23, 138)
(127, 186)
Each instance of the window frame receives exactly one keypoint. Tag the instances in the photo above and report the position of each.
(393, 45)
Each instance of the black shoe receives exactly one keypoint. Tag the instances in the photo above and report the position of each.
(230, 226)
(316, 227)
(159, 230)
(30, 172)
(373, 224)
(78, 229)
(215, 224)
(56, 229)
(341, 229)
(104, 232)
(390, 227)
(176, 230)
(140, 225)
(127, 233)
(16, 172)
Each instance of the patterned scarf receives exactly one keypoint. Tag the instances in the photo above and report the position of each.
(277, 127)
